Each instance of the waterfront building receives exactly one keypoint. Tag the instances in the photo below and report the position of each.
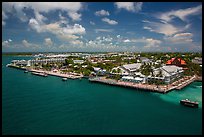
(168, 73)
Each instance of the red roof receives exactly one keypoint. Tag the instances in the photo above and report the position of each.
(179, 59)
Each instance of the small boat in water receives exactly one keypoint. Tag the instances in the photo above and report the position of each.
(187, 102)
(64, 79)
(26, 71)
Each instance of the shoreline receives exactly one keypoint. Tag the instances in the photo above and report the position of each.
(177, 85)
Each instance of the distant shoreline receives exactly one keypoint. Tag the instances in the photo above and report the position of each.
(26, 55)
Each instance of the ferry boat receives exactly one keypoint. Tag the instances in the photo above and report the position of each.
(187, 102)
(64, 79)
(39, 74)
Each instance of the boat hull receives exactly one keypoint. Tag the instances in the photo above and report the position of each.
(189, 104)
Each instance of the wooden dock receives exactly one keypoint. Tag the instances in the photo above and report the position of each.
(185, 83)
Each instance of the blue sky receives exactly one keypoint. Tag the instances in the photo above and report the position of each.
(101, 26)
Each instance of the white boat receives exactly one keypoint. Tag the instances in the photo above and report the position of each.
(26, 71)
(64, 79)
(8, 65)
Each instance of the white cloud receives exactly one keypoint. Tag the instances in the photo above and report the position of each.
(29, 45)
(111, 22)
(181, 13)
(74, 16)
(183, 35)
(180, 38)
(6, 43)
(76, 29)
(76, 42)
(33, 23)
(102, 13)
(48, 42)
(92, 23)
(163, 28)
(129, 6)
(149, 42)
(152, 43)
(126, 40)
(103, 30)
(39, 17)
(66, 32)
(4, 16)
(72, 8)
(26, 43)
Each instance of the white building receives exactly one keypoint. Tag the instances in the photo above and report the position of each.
(132, 68)
(132, 79)
(78, 61)
(169, 73)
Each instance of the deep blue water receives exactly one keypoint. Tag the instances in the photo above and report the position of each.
(37, 105)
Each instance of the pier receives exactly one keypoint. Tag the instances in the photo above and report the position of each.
(58, 74)
(153, 88)
(185, 83)
(17, 67)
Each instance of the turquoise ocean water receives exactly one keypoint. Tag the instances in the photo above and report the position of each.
(37, 105)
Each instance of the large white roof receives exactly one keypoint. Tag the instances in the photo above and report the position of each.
(132, 67)
(171, 69)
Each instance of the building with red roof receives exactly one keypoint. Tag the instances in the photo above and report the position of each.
(176, 61)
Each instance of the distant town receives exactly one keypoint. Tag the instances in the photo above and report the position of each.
(158, 72)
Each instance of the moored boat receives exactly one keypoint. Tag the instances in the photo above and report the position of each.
(26, 71)
(187, 102)
(64, 79)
